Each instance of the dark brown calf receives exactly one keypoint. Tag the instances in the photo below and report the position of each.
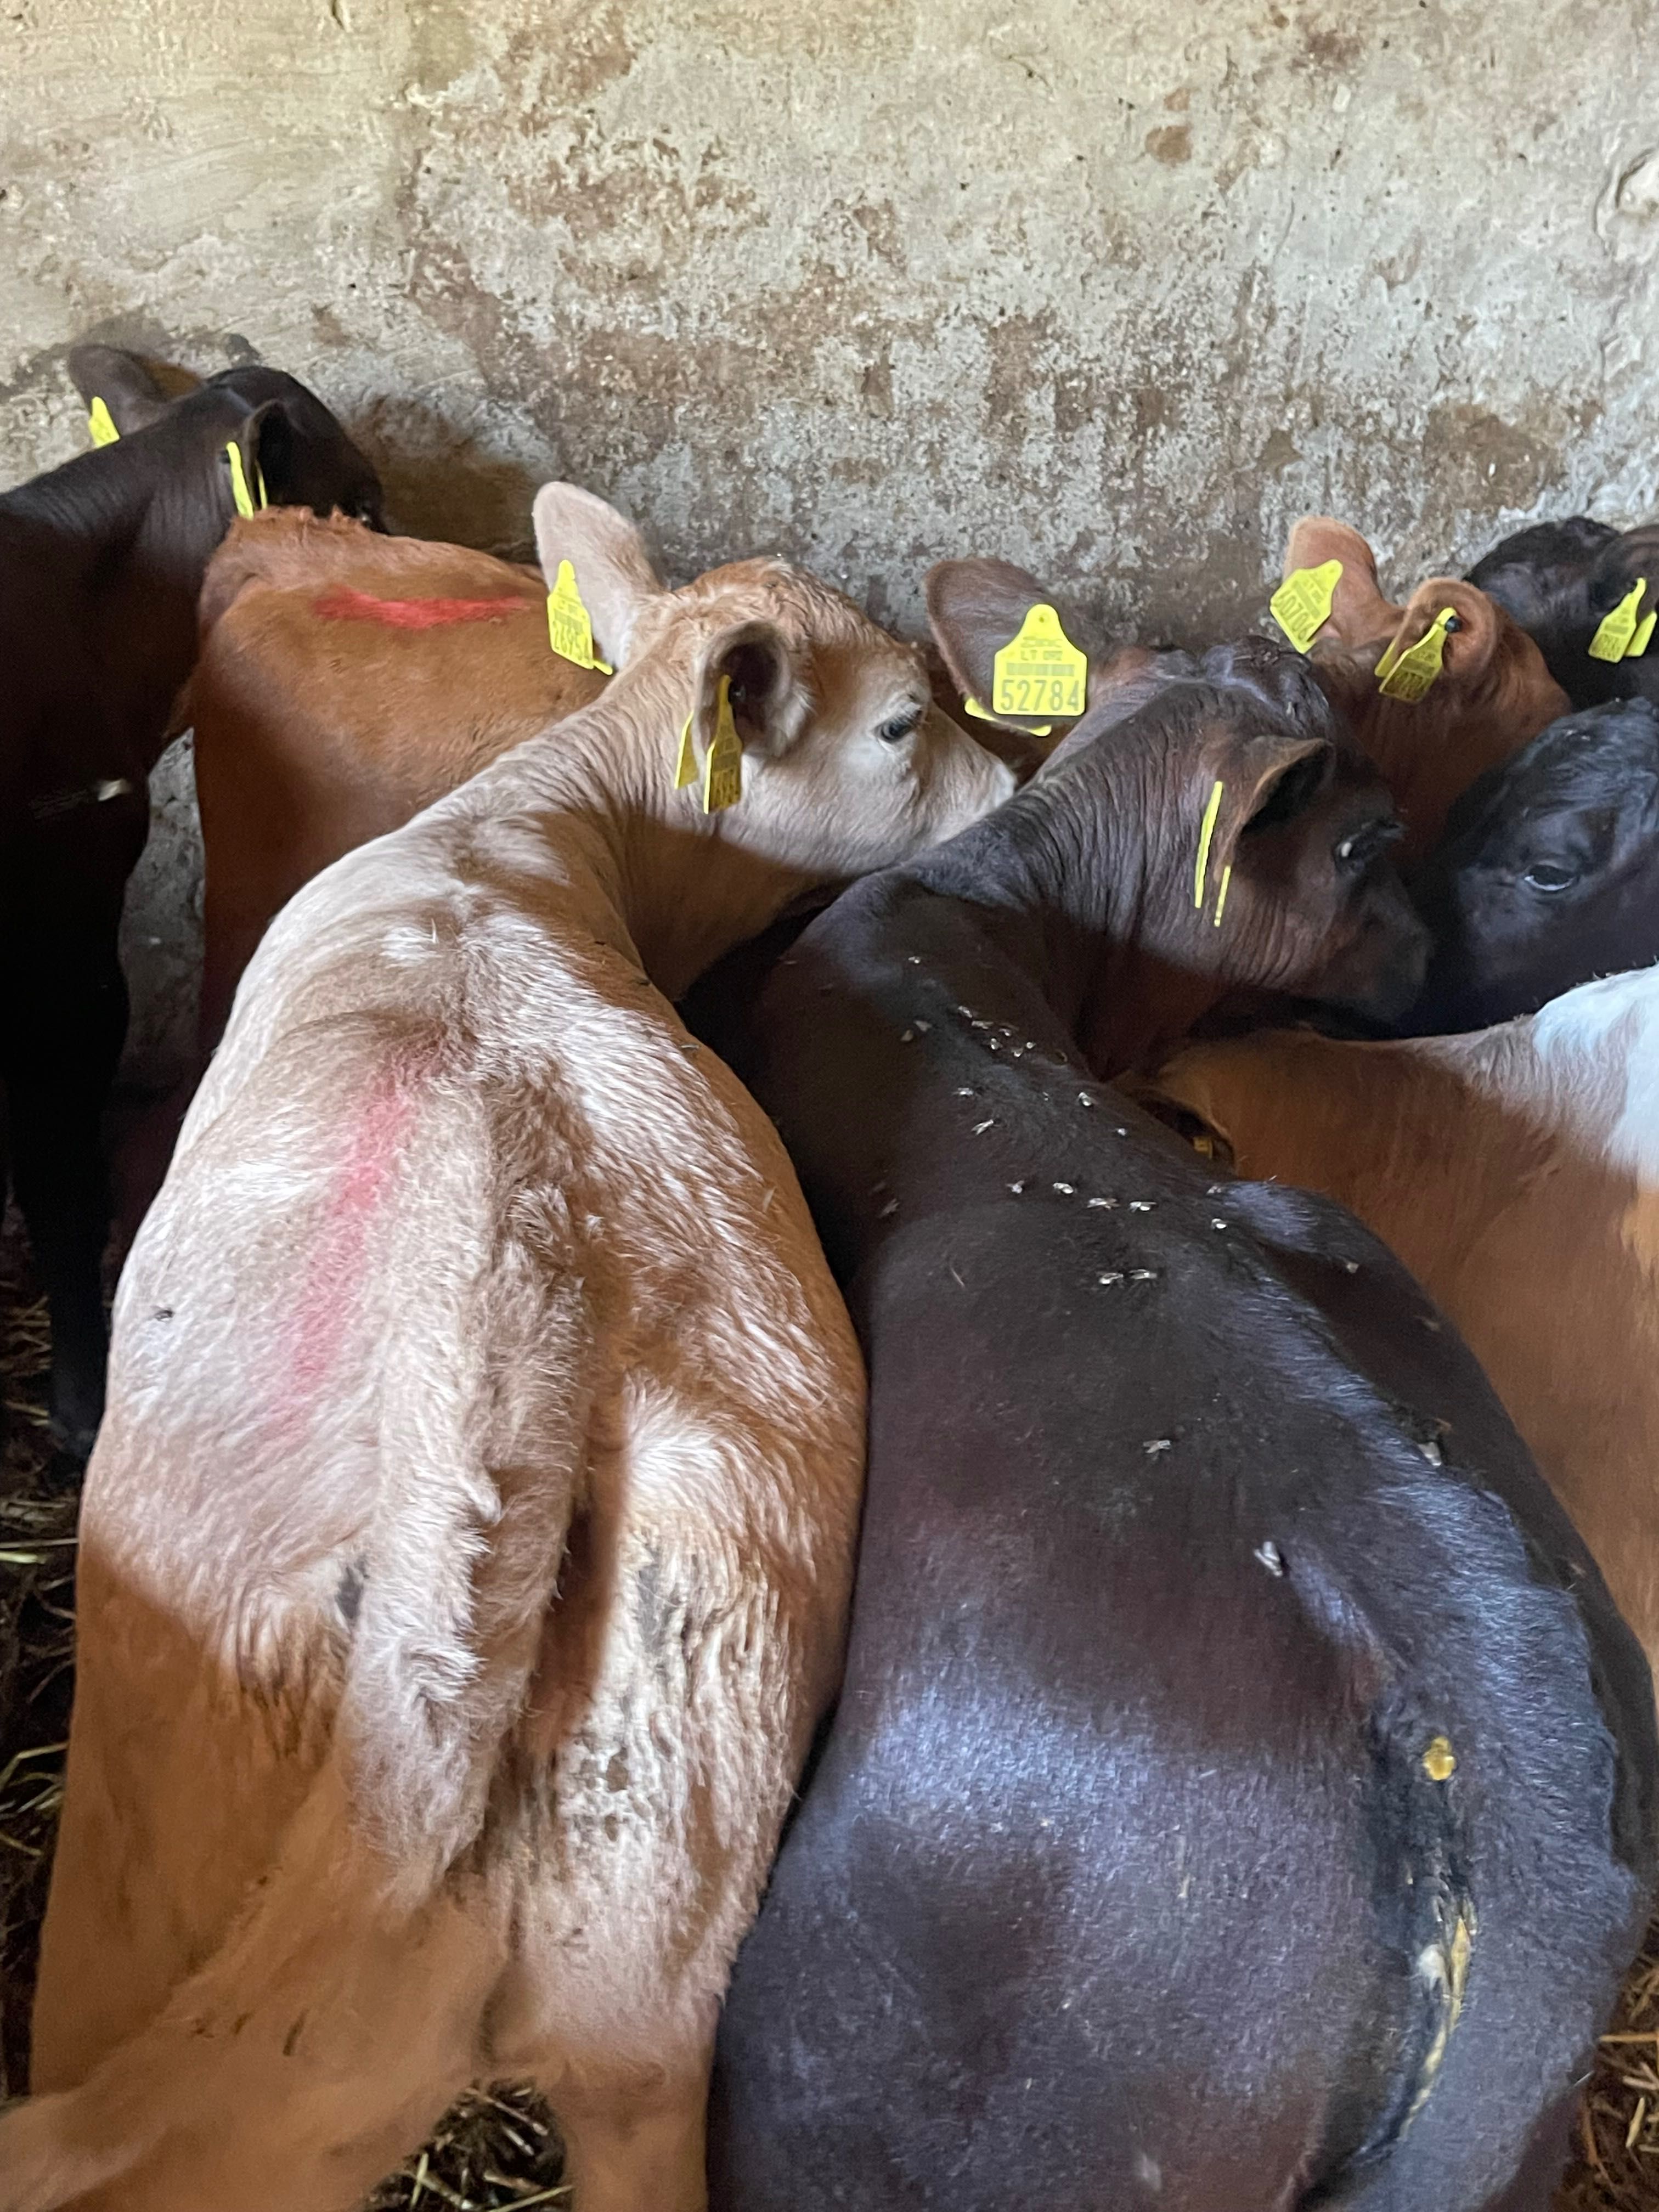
(100, 563)
(347, 680)
(1240, 1793)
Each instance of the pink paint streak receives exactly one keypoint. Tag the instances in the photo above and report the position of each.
(342, 604)
(332, 1288)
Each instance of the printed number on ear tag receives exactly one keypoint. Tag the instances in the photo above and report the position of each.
(101, 425)
(239, 490)
(570, 631)
(1302, 605)
(1040, 671)
(1616, 633)
(1408, 676)
(722, 766)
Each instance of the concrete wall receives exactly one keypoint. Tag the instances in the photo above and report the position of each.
(1115, 289)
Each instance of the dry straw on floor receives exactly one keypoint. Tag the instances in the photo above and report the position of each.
(496, 2149)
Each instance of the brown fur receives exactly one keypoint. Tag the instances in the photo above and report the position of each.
(313, 735)
(1494, 693)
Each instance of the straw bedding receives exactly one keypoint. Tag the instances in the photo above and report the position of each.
(496, 2149)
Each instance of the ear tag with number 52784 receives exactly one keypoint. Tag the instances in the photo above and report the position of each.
(1040, 671)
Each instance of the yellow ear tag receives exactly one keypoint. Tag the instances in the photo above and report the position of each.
(1408, 676)
(569, 630)
(685, 766)
(1033, 729)
(1302, 605)
(1206, 831)
(1638, 644)
(1040, 671)
(101, 425)
(1221, 895)
(1615, 635)
(722, 766)
(239, 490)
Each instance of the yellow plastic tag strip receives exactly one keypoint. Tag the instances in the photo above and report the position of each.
(1034, 729)
(239, 490)
(722, 766)
(101, 424)
(1206, 831)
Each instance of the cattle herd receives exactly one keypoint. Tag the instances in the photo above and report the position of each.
(866, 1417)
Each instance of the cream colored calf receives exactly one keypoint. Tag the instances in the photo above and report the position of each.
(1516, 1172)
(467, 1546)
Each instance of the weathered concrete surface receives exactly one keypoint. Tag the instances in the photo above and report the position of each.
(1116, 291)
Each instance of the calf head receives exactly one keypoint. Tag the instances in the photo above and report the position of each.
(847, 765)
(1561, 581)
(290, 451)
(1212, 831)
(1492, 694)
(1548, 873)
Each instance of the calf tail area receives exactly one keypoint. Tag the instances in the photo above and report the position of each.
(310, 2054)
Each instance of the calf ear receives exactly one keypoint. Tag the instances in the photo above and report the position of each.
(615, 574)
(125, 383)
(1471, 638)
(769, 702)
(1359, 614)
(974, 608)
(1262, 778)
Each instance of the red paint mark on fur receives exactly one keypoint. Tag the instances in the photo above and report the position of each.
(333, 1285)
(342, 604)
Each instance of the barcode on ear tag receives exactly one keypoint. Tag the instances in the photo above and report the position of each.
(1615, 635)
(570, 629)
(685, 766)
(101, 425)
(1408, 676)
(722, 766)
(1302, 605)
(1040, 671)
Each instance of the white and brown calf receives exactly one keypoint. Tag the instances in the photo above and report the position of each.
(467, 1547)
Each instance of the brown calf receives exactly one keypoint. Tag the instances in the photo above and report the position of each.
(347, 680)
(1493, 694)
(465, 1553)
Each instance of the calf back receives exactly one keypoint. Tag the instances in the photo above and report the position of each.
(346, 680)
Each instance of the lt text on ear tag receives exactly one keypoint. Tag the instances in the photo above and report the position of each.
(1408, 676)
(722, 767)
(1040, 671)
(101, 425)
(570, 628)
(1302, 605)
(1616, 633)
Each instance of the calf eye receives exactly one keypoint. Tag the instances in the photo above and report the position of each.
(1545, 876)
(894, 733)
